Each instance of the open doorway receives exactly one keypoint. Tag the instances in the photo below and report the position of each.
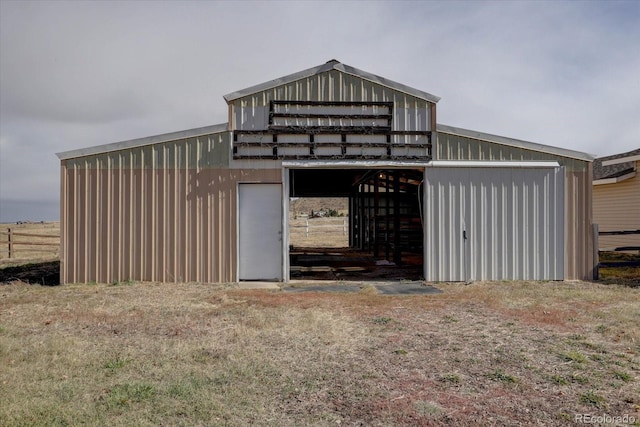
(355, 224)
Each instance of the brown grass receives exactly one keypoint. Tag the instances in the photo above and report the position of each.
(195, 354)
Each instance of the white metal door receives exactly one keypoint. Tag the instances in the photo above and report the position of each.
(494, 223)
(260, 231)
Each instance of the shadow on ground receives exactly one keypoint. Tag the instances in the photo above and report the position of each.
(42, 273)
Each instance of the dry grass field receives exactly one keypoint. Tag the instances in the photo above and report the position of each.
(327, 232)
(332, 232)
(45, 248)
(197, 354)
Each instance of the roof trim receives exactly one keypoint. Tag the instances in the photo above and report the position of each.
(139, 142)
(621, 160)
(331, 65)
(491, 164)
(351, 164)
(563, 152)
(614, 180)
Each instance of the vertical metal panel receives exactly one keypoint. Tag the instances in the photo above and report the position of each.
(409, 112)
(579, 243)
(494, 224)
(64, 186)
(579, 250)
(445, 204)
(164, 212)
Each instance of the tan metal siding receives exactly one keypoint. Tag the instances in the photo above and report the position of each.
(409, 112)
(163, 212)
(184, 234)
(616, 207)
(579, 225)
(579, 263)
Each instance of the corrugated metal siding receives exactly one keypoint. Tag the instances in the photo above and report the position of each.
(456, 147)
(164, 212)
(409, 113)
(579, 262)
(494, 224)
(579, 259)
(206, 151)
(616, 207)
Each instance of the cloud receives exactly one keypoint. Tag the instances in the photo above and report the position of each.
(76, 74)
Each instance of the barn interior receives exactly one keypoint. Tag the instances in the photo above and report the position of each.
(385, 233)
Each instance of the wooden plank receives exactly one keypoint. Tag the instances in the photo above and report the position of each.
(30, 235)
(34, 244)
(331, 116)
(329, 157)
(334, 103)
(411, 132)
(618, 233)
(329, 130)
(332, 130)
(330, 144)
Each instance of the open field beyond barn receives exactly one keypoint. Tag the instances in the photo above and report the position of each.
(29, 242)
(196, 354)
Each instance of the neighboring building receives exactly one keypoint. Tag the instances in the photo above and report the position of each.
(616, 199)
(211, 204)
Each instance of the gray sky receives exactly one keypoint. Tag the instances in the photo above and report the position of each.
(78, 74)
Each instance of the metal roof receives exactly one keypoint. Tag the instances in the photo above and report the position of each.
(116, 146)
(616, 169)
(331, 65)
(563, 152)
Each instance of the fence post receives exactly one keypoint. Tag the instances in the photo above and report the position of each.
(344, 226)
(596, 253)
(307, 229)
(9, 240)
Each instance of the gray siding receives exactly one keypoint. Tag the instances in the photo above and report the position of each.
(494, 224)
(409, 112)
(578, 256)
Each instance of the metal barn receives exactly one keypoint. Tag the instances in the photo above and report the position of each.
(212, 204)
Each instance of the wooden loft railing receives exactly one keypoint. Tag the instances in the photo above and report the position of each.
(332, 130)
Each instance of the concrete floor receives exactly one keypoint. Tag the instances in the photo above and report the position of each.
(383, 287)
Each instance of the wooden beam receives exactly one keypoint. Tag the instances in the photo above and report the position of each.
(334, 103)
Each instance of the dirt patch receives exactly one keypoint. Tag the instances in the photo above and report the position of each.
(41, 273)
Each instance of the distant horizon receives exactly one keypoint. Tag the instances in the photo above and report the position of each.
(12, 211)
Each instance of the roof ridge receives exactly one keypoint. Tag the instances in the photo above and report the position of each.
(332, 64)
